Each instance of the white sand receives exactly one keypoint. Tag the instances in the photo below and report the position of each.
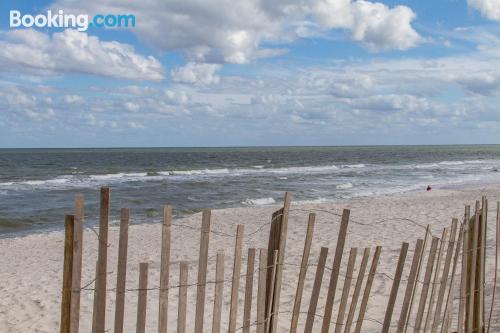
(31, 266)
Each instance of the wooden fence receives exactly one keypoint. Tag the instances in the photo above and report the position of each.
(453, 268)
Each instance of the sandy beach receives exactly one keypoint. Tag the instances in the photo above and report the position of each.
(31, 265)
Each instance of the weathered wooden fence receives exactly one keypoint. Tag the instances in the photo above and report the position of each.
(425, 297)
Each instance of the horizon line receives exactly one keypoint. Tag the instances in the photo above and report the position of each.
(262, 146)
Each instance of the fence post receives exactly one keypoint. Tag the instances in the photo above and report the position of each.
(337, 260)
(202, 271)
(302, 273)
(425, 288)
(395, 286)
(357, 289)
(102, 264)
(320, 269)
(261, 292)
(283, 232)
(121, 275)
(412, 277)
(182, 305)
(164, 269)
(247, 308)
(235, 286)
(219, 290)
(69, 231)
(437, 271)
(76, 276)
(142, 297)
(346, 289)
(368, 287)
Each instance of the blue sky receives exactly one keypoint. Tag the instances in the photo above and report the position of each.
(250, 72)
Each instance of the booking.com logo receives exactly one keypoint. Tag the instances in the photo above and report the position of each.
(80, 22)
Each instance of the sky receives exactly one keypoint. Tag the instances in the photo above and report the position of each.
(253, 73)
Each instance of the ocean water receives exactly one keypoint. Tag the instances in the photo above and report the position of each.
(37, 186)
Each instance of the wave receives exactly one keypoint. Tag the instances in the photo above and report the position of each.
(259, 202)
(354, 166)
(282, 173)
(118, 175)
(344, 186)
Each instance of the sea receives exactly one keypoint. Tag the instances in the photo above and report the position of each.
(37, 186)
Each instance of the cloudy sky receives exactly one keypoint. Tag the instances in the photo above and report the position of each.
(254, 72)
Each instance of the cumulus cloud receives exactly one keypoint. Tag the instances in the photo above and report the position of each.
(488, 8)
(197, 73)
(206, 32)
(374, 24)
(73, 51)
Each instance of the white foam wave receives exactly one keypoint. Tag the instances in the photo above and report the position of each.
(344, 186)
(353, 166)
(259, 202)
(119, 175)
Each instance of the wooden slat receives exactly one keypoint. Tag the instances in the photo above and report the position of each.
(357, 290)
(316, 289)
(368, 288)
(437, 271)
(444, 276)
(302, 273)
(395, 286)
(495, 278)
(94, 306)
(69, 231)
(473, 322)
(261, 291)
(425, 287)
(121, 275)
(404, 315)
(481, 261)
(463, 273)
(219, 291)
(337, 260)
(142, 299)
(182, 305)
(164, 269)
(273, 244)
(76, 276)
(281, 260)
(202, 272)
(235, 286)
(102, 260)
(270, 314)
(247, 308)
(469, 296)
(449, 300)
(417, 277)
(346, 290)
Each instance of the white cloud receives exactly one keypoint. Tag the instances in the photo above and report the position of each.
(134, 125)
(487, 8)
(73, 99)
(236, 31)
(73, 51)
(197, 73)
(374, 24)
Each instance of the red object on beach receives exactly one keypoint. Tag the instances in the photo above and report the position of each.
(429, 188)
